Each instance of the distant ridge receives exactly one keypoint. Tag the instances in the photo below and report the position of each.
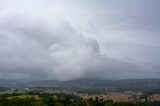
(90, 84)
(9, 82)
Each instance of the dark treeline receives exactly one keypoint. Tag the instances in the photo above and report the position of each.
(61, 99)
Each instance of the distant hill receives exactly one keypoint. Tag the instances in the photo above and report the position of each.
(88, 85)
(92, 85)
(9, 82)
(4, 89)
(66, 84)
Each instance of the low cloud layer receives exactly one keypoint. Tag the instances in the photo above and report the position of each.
(30, 49)
(73, 40)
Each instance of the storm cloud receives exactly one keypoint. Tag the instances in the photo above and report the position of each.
(64, 42)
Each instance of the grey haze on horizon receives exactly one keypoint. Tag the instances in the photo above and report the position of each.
(73, 39)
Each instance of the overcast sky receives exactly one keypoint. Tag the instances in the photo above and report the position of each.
(73, 39)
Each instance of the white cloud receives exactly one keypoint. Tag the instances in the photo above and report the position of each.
(68, 40)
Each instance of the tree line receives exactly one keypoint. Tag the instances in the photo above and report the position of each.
(62, 99)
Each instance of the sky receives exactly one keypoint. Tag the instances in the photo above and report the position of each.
(77, 39)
